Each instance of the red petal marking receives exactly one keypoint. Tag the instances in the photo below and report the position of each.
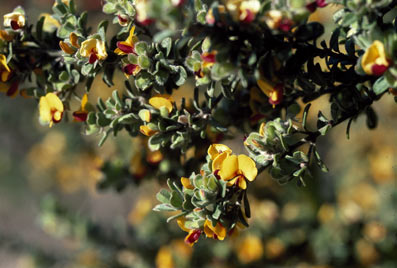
(312, 6)
(122, 20)
(285, 25)
(53, 119)
(15, 25)
(12, 90)
(250, 16)
(208, 57)
(321, 3)
(80, 116)
(93, 58)
(279, 92)
(130, 68)
(146, 22)
(378, 70)
(125, 48)
(193, 237)
(216, 173)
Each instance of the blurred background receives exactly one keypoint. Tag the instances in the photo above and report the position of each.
(52, 215)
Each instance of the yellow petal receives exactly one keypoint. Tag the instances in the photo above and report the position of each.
(45, 110)
(54, 102)
(186, 183)
(181, 223)
(158, 102)
(66, 48)
(242, 183)
(210, 230)
(265, 86)
(247, 167)
(84, 102)
(74, 40)
(217, 163)
(375, 54)
(262, 129)
(215, 149)
(145, 130)
(130, 40)
(3, 63)
(4, 76)
(229, 168)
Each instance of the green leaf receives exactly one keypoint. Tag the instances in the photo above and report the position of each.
(380, 85)
(181, 76)
(177, 216)
(176, 199)
(109, 8)
(166, 43)
(164, 207)
(39, 28)
(164, 196)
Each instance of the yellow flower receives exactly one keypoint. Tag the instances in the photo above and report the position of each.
(160, 101)
(210, 19)
(66, 48)
(6, 36)
(374, 61)
(164, 258)
(193, 234)
(15, 20)
(51, 109)
(50, 23)
(216, 149)
(217, 232)
(275, 93)
(244, 11)
(238, 169)
(127, 46)
(250, 249)
(93, 49)
(131, 69)
(147, 131)
(5, 71)
(81, 115)
(186, 183)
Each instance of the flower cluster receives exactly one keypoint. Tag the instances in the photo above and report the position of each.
(213, 202)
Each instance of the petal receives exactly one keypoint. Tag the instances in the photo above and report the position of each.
(145, 130)
(3, 63)
(181, 223)
(242, 183)
(84, 102)
(45, 110)
(229, 168)
(215, 149)
(217, 163)
(158, 102)
(265, 86)
(193, 237)
(131, 36)
(247, 166)
(186, 183)
(54, 102)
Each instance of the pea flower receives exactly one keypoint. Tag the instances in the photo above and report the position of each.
(216, 232)
(131, 69)
(275, 93)
(16, 20)
(147, 131)
(218, 153)
(160, 101)
(127, 46)
(5, 71)
(186, 183)
(244, 11)
(193, 234)
(94, 49)
(208, 60)
(374, 60)
(51, 109)
(81, 115)
(141, 6)
(237, 169)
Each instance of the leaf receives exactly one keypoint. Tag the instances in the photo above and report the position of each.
(180, 77)
(39, 28)
(164, 207)
(164, 196)
(305, 114)
(380, 85)
(166, 43)
(334, 41)
(320, 162)
(176, 199)
(247, 208)
(177, 216)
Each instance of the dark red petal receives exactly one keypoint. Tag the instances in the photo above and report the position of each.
(209, 57)
(122, 20)
(15, 25)
(378, 70)
(80, 116)
(13, 88)
(312, 6)
(285, 25)
(250, 16)
(321, 3)
(125, 48)
(193, 237)
(93, 58)
(130, 68)
(146, 22)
